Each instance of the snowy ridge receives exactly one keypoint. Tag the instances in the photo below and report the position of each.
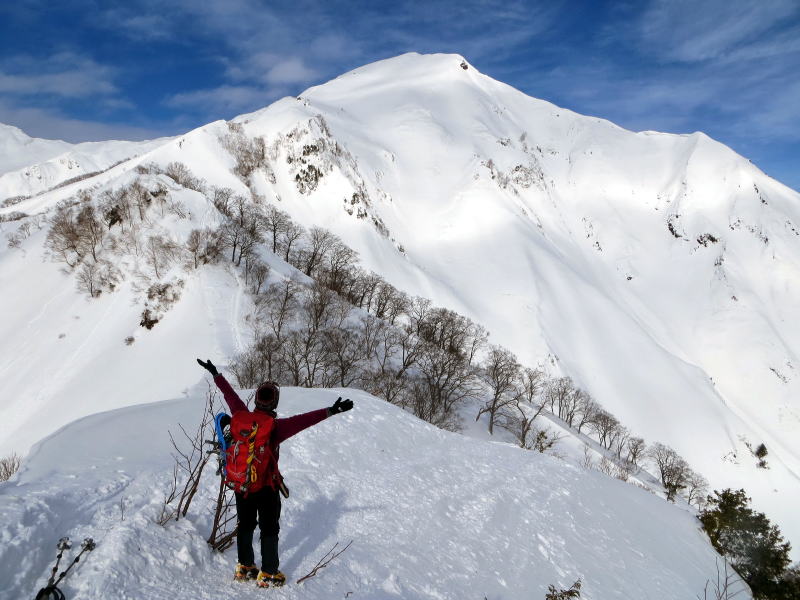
(20, 150)
(659, 271)
(29, 166)
(431, 515)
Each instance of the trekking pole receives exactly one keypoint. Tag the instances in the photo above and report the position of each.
(51, 590)
(63, 544)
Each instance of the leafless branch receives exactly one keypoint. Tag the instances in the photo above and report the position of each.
(325, 561)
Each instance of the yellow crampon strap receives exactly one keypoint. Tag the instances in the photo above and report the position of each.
(251, 452)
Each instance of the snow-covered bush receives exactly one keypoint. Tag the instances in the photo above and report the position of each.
(9, 465)
(250, 154)
(160, 297)
(182, 175)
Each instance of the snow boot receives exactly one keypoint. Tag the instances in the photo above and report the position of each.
(245, 573)
(266, 580)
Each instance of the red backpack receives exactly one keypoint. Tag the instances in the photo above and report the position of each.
(250, 462)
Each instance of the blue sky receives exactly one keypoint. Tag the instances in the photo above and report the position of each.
(89, 70)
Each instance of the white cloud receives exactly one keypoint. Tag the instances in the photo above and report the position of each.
(63, 74)
(690, 31)
(225, 98)
(291, 70)
(37, 122)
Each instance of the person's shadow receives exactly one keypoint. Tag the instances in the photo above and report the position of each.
(313, 525)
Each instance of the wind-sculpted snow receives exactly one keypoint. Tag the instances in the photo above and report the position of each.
(659, 271)
(430, 514)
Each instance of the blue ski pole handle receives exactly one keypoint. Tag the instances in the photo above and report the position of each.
(219, 426)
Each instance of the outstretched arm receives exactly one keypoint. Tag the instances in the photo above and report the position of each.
(231, 398)
(286, 428)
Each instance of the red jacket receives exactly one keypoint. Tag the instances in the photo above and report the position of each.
(282, 429)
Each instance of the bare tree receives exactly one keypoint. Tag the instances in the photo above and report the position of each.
(91, 230)
(387, 385)
(447, 379)
(345, 355)
(563, 398)
(260, 272)
(320, 243)
(273, 223)
(248, 241)
(500, 373)
(673, 470)
(289, 235)
(190, 460)
(636, 450)
(202, 246)
(231, 234)
(93, 277)
(586, 412)
(64, 238)
(302, 357)
(696, 489)
(620, 442)
(520, 419)
(606, 427)
(221, 198)
(322, 308)
(369, 335)
(159, 253)
(363, 289)
(260, 362)
(338, 266)
(88, 278)
(280, 305)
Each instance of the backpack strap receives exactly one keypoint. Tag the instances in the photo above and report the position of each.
(252, 475)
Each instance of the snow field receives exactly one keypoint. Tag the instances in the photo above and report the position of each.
(431, 514)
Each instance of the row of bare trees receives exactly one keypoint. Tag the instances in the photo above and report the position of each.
(517, 395)
(409, 352)
(311, 336)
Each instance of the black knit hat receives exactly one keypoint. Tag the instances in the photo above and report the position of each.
(267, 396)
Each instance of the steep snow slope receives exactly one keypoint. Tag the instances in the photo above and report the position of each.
(660, 271)
(430, 514)
(29, 166)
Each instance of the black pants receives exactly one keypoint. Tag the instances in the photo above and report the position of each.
(263, 508)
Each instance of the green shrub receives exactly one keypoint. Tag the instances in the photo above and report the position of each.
(754, 546)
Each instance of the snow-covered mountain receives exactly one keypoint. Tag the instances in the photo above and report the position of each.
(29, 166)
(430, 514)
(659, 271)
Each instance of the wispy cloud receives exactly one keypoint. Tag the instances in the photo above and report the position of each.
(688, 31)
(727, 67)
(52, 124)
(225, 99)
(64, 74)
(269, 50)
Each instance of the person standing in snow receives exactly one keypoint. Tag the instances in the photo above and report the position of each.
(261, 504)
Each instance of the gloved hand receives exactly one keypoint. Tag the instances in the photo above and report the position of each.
(208, 366)
(340, 406)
